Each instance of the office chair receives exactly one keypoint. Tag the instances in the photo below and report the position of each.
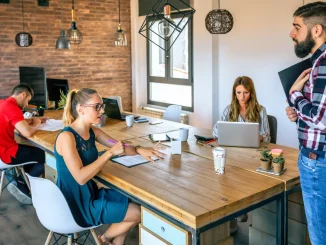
(173, 113)
(272, 121)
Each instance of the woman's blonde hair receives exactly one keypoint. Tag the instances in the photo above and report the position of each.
(253, 108)
(74, 98)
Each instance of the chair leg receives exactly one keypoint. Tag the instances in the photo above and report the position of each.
(25, 178)
(48, 239)
(69, 240)
(97, 241)
(76, 237)
(2, 180)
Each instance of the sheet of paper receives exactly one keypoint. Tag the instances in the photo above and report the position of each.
(51, 125)
(130, 161)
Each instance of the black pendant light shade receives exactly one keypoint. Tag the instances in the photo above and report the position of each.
(74, 35)
(62, 41)
(219, 21)
(23, 39)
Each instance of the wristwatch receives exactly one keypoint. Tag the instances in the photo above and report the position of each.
(137, 147)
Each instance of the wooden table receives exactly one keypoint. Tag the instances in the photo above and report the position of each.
(248, 159)
(183, 189)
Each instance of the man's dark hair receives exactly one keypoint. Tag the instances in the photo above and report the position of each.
(313, 14)
(20, 88)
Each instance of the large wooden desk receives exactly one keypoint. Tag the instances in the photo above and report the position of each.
(183, 189)
(248, 159)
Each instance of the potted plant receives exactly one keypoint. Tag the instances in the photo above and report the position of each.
(63, 99)
(278, 164)
(40, 111)
(266, 159)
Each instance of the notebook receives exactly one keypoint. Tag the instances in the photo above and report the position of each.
(112, 109)
(289, 75)
(241, 134)
(131, 161)
(159, 137)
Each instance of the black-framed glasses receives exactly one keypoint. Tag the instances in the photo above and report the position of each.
(97, 106)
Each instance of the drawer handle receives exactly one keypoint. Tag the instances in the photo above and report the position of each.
(162, 229)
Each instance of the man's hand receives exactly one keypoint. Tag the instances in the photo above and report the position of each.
(291, 113)
(299, 83)
(35, 122)
(43, 119)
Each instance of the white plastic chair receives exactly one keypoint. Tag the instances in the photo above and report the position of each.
(19, 170)
(53, 211)
(173, 113)
(118, 98)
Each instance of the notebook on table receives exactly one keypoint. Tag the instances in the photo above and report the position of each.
(240, 134)
(112, 109)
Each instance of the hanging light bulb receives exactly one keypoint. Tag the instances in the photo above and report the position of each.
(120, 37)
(74, 35)
(23, 39)
(164, 26)
(62, 42)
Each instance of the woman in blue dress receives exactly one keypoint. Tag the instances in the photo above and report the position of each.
(78, 162)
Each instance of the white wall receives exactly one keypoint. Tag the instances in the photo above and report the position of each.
(258, 46)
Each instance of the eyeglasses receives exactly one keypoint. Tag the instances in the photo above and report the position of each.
(97, 106)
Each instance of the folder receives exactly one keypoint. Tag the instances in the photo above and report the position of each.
(289, 75)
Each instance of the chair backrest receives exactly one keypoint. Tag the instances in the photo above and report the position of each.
(118, 98)
(173, 113)
(272, 121)
(51, 207)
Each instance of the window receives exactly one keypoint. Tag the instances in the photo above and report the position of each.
(170, 73)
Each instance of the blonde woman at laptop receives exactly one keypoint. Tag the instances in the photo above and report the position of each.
(244, 107)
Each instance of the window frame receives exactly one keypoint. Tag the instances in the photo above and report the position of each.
(168, 61)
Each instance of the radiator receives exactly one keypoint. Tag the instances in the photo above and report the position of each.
(158, 113)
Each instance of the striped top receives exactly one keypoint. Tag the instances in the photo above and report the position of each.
(263, 129)
(310, 104)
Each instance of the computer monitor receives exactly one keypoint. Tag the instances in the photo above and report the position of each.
(54, 86)
(35, 77)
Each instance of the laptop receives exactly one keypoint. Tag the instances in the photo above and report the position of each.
(241, 134)
(112, 109)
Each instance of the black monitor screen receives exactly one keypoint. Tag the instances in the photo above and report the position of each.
(35, 77)
(54, 87)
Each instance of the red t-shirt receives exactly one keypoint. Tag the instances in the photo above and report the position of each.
(10, 114)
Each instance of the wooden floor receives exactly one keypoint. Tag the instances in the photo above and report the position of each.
(19, 226)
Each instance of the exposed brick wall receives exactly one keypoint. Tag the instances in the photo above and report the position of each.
(96, 63)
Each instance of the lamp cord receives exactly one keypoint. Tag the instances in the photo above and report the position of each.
(119, 11)
(73, 4)
(61, 14)
(23, 14)
(219, 4)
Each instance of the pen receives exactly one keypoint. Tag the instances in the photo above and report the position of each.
(201, 143)
(114, 141)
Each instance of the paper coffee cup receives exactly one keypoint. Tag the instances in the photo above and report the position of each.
(219, 155)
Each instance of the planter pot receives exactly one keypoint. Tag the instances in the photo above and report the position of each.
(265, 164)
(40, 111)
(278, 167)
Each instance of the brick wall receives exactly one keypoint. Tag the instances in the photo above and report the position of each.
(96, 63)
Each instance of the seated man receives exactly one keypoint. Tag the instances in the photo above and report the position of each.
(11, 118)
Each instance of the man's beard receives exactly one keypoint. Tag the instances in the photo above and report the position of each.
(304, 48)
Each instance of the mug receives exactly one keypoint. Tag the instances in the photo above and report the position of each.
(130, 120)
(219, 155)
(183, 134)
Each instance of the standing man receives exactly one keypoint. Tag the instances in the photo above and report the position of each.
(11, 118)
(308, 95)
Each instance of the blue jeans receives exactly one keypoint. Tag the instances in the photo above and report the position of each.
(313, 184)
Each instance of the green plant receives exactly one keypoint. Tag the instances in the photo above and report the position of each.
(266, 155)
(63, 99)
(279, 159)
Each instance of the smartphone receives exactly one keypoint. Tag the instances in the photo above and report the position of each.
(155, 122)
(203, 138)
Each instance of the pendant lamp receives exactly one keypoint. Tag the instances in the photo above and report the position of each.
(120, 37)
(62, 42)
(74, 35)
(23, 39)
(219, 21)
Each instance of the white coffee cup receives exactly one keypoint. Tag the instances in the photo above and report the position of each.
(175, 147)
(130, 120)
(183, 134)
(219, 155)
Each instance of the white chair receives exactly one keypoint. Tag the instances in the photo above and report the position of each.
(54, 213)
(118, 98)
(173, 113)
(18, 170)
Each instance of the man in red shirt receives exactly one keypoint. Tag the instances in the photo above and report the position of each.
(11, 118)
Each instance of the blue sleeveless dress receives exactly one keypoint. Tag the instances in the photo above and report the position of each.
(89, 205)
